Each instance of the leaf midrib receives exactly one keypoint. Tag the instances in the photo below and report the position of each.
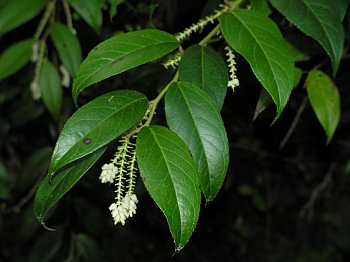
(87, 79)
(197, 131)
(168, 173)
(263, 51)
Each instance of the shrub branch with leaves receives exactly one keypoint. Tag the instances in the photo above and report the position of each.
(190, 156)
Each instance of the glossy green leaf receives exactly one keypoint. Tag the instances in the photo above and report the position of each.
(90, 11)
(50, 191)
(319, 19)
(265, 100)
(325, 100)
(121, 53)
(15, 13)
(68, 47)
(203, 67)
(193, 116)
(259, 40)
(170, 176)
(97, 123)
(15, 57)
(51, 90)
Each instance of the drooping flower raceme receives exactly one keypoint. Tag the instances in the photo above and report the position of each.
(122, 172)
(233, 81)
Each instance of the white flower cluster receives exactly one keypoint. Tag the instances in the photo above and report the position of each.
(233, 81)
(109, 172)
(122, 172)
(126, 209)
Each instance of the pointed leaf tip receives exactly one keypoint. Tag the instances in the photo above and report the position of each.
(173, 182)
(51, 191)
(319, 19)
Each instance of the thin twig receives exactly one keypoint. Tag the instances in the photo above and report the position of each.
(308, 208)
(294, 123)
(71, 254)
(17, 208)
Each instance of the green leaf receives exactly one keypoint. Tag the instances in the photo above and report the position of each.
(68, 47)
(121, 53)
(39, 161)
(298, 55)
(87, 248)
(15, 57)
(264, 102)
(51, 90)
(113, 9)
(298, 73)
(90, 11)
(203, 67)
(5, 193)
(170, 176)
(97, 123)
(46, 246)
(264, 98)
(15, 13)
(193, 116)
(9, 94)
(319, 19)
(51, 191)
(325, 100)
(259, 40)
(261, 6)
(342, 6)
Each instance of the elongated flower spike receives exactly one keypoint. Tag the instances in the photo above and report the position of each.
(122, 171)
(202, 23)
(173, 61)
(233, 81)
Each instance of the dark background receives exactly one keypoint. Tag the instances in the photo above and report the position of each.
(288, 204)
